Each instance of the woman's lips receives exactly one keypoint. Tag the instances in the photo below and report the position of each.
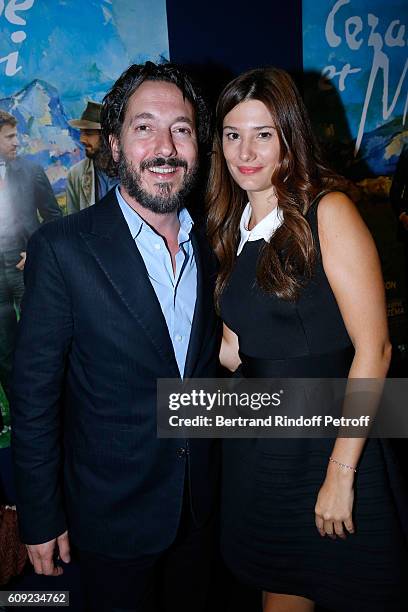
(249, 169)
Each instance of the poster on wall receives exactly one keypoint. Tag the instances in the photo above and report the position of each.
(55, 57)
(355, 61)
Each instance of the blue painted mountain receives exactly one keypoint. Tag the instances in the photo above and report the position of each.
(45, 134)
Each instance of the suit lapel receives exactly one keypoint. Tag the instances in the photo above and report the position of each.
(113, 247)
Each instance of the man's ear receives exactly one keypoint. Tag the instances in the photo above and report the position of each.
(115, 147)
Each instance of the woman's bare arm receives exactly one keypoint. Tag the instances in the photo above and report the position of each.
(229, 356)
(353, 269)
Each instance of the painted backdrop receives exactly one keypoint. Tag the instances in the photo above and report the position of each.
(57, 54)
(355, 59)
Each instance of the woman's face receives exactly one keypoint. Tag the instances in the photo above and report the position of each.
(251, 146)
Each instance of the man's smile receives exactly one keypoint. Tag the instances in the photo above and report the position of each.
(161, 170)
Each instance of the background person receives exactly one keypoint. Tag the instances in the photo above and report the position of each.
(399, 203)
(399, 190)
(88, 181)
(25, 192)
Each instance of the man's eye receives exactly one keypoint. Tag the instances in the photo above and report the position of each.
(142, 128)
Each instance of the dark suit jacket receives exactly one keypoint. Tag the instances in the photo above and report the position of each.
(399, 187)
(30, 191)
(91, 343)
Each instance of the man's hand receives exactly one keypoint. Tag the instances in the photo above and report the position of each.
(42, 555)
(21, 263)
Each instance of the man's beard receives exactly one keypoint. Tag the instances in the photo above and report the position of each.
(165, 201)
(91, 153)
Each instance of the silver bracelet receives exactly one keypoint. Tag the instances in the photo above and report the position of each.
(350, 467)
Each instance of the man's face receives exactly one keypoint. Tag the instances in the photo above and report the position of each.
(158, 149)
(91, 139)
(8, 142)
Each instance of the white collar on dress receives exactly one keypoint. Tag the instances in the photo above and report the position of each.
(264, 229)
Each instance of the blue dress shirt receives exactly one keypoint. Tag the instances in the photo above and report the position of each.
(176, 291)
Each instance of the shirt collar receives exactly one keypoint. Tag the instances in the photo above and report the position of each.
(136, 223)
(264, 229)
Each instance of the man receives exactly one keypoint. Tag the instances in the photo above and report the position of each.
(399, 191)
(116, 297)
(399, 203)
(87, 181)
(24, 192)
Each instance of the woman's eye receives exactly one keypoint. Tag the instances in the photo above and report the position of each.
(264, 135)
(142, 128)
(232, 136)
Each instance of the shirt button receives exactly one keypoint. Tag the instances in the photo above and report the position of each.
(179, 338)
(157, 246)
(181, 452)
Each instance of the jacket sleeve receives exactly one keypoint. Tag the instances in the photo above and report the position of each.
(45, 200)
(73, 204)
(399, 185)
(43, 341)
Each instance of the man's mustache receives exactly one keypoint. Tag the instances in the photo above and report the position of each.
(174, 162)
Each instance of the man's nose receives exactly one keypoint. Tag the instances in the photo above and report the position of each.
(164, 145)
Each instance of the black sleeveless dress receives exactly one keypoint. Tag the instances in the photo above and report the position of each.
(270, 486)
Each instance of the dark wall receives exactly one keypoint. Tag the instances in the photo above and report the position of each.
(222, 39)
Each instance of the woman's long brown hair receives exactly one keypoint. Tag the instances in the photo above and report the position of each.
(287, 260)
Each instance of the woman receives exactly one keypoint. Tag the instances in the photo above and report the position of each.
(301, 295)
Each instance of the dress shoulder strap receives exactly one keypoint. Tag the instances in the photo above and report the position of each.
(311, 216)
(315, 202)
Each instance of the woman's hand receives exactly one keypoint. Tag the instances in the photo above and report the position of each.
(334, 506)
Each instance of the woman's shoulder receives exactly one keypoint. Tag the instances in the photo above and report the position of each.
(335, 206)
(328, 200)
(337, 218)
(332, 206)
(333, 214)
